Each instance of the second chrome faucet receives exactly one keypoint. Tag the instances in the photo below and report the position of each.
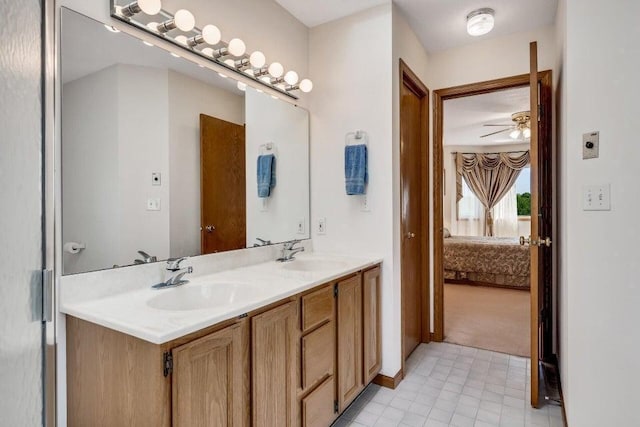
(177, 279)
(289, 251)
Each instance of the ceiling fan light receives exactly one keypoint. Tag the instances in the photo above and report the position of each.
(526, 133)
(480, 22)
(515, 134)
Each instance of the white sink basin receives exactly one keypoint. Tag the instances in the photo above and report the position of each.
(205, 296)
(314, 265)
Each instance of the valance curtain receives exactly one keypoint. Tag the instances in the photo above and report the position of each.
(490, 176)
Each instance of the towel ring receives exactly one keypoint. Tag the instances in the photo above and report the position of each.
(268, 148)
(356, 138)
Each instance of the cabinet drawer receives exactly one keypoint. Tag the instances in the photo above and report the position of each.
(317, 308)
(317, 407)
(318, 351)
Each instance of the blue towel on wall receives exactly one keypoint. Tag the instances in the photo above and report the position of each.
(266, 175)
(355, 169)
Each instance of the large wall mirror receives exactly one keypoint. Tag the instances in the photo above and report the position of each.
(163, 158)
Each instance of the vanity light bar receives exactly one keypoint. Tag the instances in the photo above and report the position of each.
(207, 43)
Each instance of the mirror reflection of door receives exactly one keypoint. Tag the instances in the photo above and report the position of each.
(223, 185)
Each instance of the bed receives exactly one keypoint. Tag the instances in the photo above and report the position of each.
(495, 261)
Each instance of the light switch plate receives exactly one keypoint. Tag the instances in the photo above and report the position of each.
(596, 197)
(153, 204)
(322, 226)
(591, 145)
(300, 227)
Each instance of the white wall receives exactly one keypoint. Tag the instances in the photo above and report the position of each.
(600, 286)
(90, 161)
(188, 98)
(287, 127)
(143, 148)
(352, 69)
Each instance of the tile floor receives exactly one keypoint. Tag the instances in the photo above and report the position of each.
(451, 385)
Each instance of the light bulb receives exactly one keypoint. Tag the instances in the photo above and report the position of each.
(150, 7)
(242, 86)
(184, 20)
(515, 134)
(291, 77)
(276, 69)
(257, 59)
(181, 39)
(526, 133)
(306, 85)
(266, 79)
(230, 62)
(211, 34)
(153, 26)
(207, 51)
(236, 47)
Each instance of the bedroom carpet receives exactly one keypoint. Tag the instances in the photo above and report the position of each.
(489, 318)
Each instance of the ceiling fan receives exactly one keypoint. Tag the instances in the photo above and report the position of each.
(521, 126)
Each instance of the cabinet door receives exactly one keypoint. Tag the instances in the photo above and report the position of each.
(274, 367)
(317, 407)
(210, 381)
(349, 340)
(371, 324)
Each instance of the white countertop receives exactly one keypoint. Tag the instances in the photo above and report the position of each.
(235, 292)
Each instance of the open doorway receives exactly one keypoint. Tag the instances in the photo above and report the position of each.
(486, 160)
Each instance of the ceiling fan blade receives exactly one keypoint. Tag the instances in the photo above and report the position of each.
(496, 125)
(494, 133)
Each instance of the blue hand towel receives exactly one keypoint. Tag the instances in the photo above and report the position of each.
(266, 175)
(355, 169)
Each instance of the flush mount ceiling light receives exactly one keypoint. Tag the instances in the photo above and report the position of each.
(480, 21)
(180, 29)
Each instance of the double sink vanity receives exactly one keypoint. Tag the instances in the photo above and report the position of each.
(271, 344)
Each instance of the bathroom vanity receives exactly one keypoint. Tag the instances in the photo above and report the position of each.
(295, 349)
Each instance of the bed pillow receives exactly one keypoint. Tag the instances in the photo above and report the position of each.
(447, 233)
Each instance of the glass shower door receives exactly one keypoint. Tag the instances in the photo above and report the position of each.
(21, 215)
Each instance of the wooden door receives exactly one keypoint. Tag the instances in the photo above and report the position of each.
(274, 369)
(350, 382)
(372, 350)
(414, 209)
(210, 382)
(541, 221)
(222, 185)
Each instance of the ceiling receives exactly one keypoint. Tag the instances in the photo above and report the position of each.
(439, 24)
(316, 12)
(88, 47)
(464, 117)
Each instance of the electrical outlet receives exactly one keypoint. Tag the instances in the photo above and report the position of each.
(301, 226)
(153, 204)
(365, 207)
(596, 197)
(156, 178)
(322, 226)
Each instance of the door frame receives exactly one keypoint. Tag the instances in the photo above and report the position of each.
(439, 96)
(408, 78)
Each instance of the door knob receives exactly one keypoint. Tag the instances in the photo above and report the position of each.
(546, 242)
(533, 242)
(209, 228)
(411, 235)
(524, 241)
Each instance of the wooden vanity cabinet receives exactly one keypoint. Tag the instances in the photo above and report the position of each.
(298, 362)
(210, 382)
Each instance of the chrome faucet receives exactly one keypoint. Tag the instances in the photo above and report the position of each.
(261, 242)
(289, 250)
(146, 258)
(173, 265)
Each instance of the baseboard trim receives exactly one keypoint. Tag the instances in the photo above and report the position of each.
(389, 382)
